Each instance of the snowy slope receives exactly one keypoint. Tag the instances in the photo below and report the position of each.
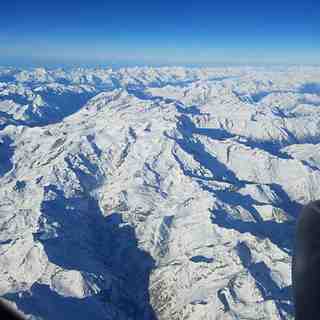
(154, 193)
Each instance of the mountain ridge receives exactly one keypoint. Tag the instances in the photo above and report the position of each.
(148, 193)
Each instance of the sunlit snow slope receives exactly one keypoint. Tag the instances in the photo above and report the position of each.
(147, 193)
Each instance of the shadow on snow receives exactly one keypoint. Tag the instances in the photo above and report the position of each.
(84, 240)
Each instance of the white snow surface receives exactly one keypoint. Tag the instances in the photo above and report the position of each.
(155, 193)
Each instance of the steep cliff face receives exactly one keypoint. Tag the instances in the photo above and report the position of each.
(145, 193)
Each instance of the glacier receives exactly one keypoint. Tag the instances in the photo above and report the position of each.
(155, 193)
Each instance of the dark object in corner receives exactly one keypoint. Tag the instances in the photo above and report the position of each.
(306, 264)
(8, 313)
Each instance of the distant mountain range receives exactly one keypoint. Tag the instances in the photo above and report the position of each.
(154, 193)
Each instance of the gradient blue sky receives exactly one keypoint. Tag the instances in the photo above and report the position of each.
(156, 32)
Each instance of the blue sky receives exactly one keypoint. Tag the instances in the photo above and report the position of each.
(157, 32)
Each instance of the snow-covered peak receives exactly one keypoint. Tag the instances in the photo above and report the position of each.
(154, 193)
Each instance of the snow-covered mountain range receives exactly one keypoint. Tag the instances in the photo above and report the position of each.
(154, 193)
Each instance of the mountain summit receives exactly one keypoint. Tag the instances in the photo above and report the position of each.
(154, 193)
